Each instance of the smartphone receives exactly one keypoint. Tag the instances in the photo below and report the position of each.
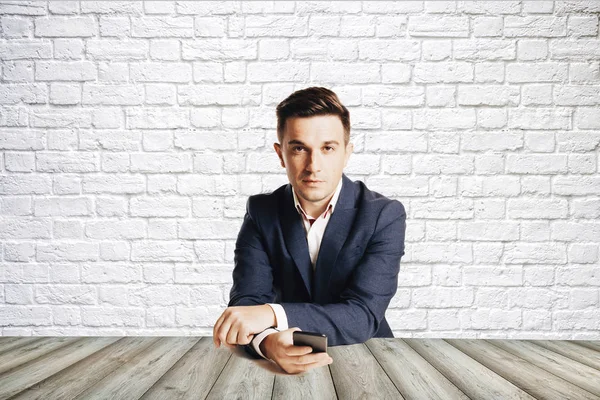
(317, 341)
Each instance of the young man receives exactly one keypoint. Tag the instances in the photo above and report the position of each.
(320, 254)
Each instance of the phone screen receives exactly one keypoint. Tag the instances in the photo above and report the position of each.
(317, 341)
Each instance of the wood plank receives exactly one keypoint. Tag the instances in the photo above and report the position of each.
(11, 342)
(30, 351)
(26, 375)
(242, 378)
(193, 375)
(532, 379)
(572, 350)
(580, 374)
(357, 374)
(472, 378)
(411, 373)
(316, 383)
(135, 377)
(590, 344)
(69, 382)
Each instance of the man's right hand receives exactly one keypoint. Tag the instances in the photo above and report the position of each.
(280, 348)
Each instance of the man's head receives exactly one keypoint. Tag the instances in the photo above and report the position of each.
(313, 128)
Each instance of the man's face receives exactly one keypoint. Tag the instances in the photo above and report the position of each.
(314, 155)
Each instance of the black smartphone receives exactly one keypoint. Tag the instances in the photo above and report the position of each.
(317, 341)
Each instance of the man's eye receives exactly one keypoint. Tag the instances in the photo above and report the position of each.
(329, 148)
(298, 148)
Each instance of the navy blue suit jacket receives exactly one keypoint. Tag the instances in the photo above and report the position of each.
(356, 273)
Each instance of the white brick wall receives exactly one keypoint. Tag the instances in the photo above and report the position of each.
(132, 133)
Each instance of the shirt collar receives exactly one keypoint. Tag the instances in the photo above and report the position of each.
(331, 204)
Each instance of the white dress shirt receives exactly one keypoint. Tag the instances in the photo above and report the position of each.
(315, 228)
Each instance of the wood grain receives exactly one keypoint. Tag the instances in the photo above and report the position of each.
(471, 377)
(411, 373)
(11, 342)
(26, 375)
(316, 383)
(580, 374)
(574, 351)
(30, 351)
(134, 378)
(534, 380)
(193, 375)
(358, 375)
(69, 382)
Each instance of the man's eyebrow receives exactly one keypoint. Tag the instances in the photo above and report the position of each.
(299, 142)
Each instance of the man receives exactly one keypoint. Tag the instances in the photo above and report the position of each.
(321, 254)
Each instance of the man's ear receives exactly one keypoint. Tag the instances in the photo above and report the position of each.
(277, 148)
(349, 150)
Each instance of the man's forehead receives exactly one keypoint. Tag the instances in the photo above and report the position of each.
(311, 129)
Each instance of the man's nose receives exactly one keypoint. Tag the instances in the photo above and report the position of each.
(314, 162)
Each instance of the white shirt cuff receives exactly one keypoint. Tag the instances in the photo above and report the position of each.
(282, 322)
(258, 340)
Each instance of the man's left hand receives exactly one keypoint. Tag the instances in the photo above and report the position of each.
(237, 325)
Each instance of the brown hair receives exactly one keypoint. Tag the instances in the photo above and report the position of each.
(310, 102)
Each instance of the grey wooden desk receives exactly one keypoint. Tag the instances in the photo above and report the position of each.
(190, 367)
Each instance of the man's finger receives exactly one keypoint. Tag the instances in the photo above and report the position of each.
(216, 330)
(312, 358)
(224, 331)
(298, 350)
(232, 334)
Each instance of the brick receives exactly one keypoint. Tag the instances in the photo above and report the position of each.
(18, 71)
(392, 7)
(572, 50)
(582, 26)
(219, 50)
(489, 7)
(535, 253)
(29, 93)
(448, 164)
(535, 26)
(65, 27)
(164, 206)
(19, 162)
(67, 251)
(62, 206)
(393, 96)
(201, 95)
(484, 49)
(565, 231)
(396, 142)
(25, 315)
(578, 72)
(118, 184)
(161, 72)
(443, 186)
(210, 27)
(438, 26)
(131, 228)
(114, 251)
(489, 72)
(278, 72)
(585, 208)
(149, 296)
(63, 7)
(165, 49)
(442, 297)
(497, 141)
(539, 72)
(357, 26)
(115, 27)
(19, 252)
(577, 95)
(581, 253)
(403, 186)
(65, 71)
(537, 208)
(492, 276)
(539, 118)
(536, 95)
(19, 294)
(536, 163)
(389, 50)
(161, 94)
(532, 50)
(431, 119)
(450, 72)
(112, 7)
(582, 163)
(112, 94)
(504, 186)
(388, 26)
(488, 231)
(273, 49)
(113, 316)
(208, 229)
(442, 208)
(208, 8)
(114, 140)
(276, 25)
(535, 298)
(22, 139)
(487, 26)
(65, 94)
(65, 294)
(22, 8)
(161, 162)
(441, 96)
(25, 49)
(540, 142)
(67, 162)
(447, 253)
(15, 27)
(157, 118)
(488, 95)
(162, 250)
(150, 27)
(566, 7)
(538, 7)
(587, 118)
(436, 50)
(116, 50)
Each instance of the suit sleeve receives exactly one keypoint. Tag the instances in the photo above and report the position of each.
(252, 273)
(356, 317)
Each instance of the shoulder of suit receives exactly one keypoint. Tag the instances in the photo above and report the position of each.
(376, 201)
(264, 201)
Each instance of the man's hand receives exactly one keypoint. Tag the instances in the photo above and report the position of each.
(280, 348)
(237, 325)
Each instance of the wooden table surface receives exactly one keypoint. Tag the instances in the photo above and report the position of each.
(191, 367)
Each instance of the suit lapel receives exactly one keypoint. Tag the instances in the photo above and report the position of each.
(295, 237)
(334, 238)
